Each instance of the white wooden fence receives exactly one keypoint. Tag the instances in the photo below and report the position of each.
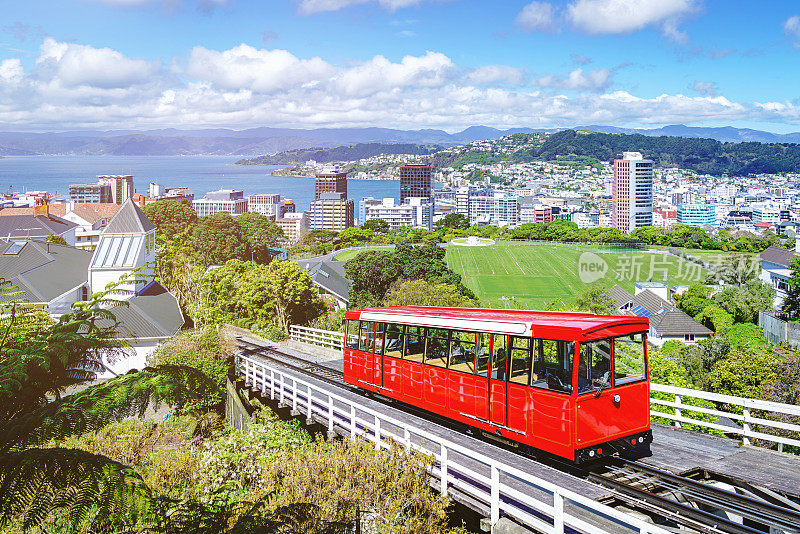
(315, 336)
(746, 419)
(501, 488)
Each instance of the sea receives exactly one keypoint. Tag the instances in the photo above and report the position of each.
(199, 173)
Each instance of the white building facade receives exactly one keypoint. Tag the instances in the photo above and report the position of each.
(632, 192)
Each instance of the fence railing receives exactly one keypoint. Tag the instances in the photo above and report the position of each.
(754, 413)
(502, 489)
(778, 330)
(315, 336)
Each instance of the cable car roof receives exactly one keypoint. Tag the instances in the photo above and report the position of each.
(540, 324)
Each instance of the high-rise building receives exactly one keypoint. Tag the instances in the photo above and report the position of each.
(331, 211)
(697, 214)
(230, 200)
(416, 181)
(332, 181)
(294, 226)
(121, 186)
(363, 205)
(90, 193)
(632, 192)
(268, 205)
(415, 212)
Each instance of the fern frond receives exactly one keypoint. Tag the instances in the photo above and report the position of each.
(98, 405)
(37, 482)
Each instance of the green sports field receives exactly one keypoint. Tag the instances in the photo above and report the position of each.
(538, 274)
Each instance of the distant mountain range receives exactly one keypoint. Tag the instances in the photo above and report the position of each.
(265, 140)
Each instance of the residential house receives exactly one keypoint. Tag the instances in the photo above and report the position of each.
(330, 278)
(775, 271)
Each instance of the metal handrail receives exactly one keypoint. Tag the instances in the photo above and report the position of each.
(321, 404)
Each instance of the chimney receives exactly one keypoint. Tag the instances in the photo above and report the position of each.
(41, 208)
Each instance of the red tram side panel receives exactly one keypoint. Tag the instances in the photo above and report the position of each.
(572, 384)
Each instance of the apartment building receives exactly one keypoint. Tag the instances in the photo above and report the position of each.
(331, 211)
(415, 212)
(229, 200)
(632, 192)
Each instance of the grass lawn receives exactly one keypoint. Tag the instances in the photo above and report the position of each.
(350, 254)
(537, 274)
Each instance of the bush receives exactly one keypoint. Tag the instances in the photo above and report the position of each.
(205, 349)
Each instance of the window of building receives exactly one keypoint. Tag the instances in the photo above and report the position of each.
(629, 362)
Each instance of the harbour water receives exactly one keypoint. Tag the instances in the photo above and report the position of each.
(199, 173)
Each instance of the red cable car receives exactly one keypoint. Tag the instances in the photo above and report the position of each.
(572, 384)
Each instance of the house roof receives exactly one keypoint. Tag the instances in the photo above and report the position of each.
(129, 219)
(329, 275)
(28, 226)
(43, 271)
(93, 213)
(777, 255)
(152, 313)
(59, 210)
(665, 318)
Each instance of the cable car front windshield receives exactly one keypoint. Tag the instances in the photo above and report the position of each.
(612, 362)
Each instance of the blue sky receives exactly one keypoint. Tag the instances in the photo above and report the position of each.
(72, 64)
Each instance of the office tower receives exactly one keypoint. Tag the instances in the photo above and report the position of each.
(416, 181)
(230, 200)
(330, 181)
(632, 192)
(331, 211)
(121, 186)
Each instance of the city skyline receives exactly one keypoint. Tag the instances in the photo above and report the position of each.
(139, 64)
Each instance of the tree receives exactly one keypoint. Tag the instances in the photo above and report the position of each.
(55, 239)
(377, 226)
(791, 305)
(38, 360)
(261, 234)
(741, 373)
(596, 300)
(219, 238)
(372, 272)
(746, 301)
(715, 318)
(422, 293)
(354, 236)
(693, 300)
(170, 217)
(292, 294)
(457, 221)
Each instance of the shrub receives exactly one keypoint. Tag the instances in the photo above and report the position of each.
(205, 349)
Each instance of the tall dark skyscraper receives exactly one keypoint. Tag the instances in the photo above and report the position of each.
(330, 182)
(416, 181)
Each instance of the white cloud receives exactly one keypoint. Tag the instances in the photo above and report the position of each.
(310, 7)
(258, 69)
(578, 80)
(602, 17)
(379, 74)
(492, 74)
(705, 88)
(243, 86)
(536, 16)
(791, 27)
(75, 65)
(580, 59)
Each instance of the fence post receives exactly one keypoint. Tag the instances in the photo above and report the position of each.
(678, 411)
(294, 394)
(746, 426)
(407, 437)
(353, 421)
(495, 496)
(330, 415)
(558, 513)
(263, 381)
(280, 399)
(443, 470)
(308, 402)
(377, 433)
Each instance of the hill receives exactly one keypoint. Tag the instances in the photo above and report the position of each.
(340, 153)
(707, 156)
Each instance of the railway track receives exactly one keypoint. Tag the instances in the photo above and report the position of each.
(674, 501)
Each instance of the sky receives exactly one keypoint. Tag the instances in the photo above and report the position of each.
(410, 64)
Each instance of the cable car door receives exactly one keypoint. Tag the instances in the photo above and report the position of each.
(497, 380)
(377, 356)
(481, 390)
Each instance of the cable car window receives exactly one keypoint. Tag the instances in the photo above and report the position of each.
(629, 359)
(482, 365)
(415, 343)
(394, 341)
(594, 366)
(499, 356)
(378, 345)
(365, 336)
(462, 352)
(520, 360)
(436, 347)
(352, 334)
(556, 357)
